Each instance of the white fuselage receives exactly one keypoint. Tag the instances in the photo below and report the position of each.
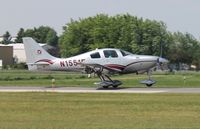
(98, 61)
(124, 63)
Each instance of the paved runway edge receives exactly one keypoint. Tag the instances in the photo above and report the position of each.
(96, 90)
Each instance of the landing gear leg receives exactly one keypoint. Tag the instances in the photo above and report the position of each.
(149, 73)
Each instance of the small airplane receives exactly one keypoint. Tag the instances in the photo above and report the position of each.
(99, 61)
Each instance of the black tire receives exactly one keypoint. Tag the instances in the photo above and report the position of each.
(149, 85)
(105, 87)
(115, 86)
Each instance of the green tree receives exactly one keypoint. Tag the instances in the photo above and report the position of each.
(6, 38)
(20, 35)
(42, 34)
(52, 38)
(196, 56)
(184, 48)
(121, 31)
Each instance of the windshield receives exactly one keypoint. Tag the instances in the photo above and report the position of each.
(125, 53)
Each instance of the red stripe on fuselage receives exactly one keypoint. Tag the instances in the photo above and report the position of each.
(115, 66)
(45, 60)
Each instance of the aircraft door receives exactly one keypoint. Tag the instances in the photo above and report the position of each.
(110, 56)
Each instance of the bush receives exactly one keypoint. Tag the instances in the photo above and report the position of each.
(19, 66)
(7, 78)
(18, 78)
(32, 77)
(81, 77)
(48, 77)
(68, 77)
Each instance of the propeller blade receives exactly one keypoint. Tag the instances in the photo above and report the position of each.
(162, 62)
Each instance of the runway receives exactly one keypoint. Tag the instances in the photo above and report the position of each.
(97, 90)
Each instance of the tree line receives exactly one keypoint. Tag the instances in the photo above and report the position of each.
(131, 33)
(42, 34)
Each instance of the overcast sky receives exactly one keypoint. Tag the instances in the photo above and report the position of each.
(179, 15)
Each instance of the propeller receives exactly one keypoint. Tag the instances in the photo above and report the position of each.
(162, 62)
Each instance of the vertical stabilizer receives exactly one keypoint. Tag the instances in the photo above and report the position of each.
(35, 54)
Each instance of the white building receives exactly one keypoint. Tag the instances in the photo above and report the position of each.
(18, 52)
(1, 64)
(1, 38)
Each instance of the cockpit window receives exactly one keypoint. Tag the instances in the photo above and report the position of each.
(125, 53)
(95, 55)
(110, 53)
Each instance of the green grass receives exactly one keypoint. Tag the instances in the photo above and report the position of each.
(99, 111)
(27, 78)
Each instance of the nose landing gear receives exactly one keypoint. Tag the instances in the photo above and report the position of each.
(149, 82)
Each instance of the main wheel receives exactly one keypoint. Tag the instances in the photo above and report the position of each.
(116, 83)
(115, 86)
(105, 87)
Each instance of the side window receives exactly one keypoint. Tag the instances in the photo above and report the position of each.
(110, 53)
(95, 55)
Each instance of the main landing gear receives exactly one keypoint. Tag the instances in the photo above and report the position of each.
(106, 81)
(149, 82)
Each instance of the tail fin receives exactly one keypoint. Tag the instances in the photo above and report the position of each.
(35, 54)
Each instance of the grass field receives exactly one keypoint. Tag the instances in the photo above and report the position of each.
(99, 111)
(26, 78)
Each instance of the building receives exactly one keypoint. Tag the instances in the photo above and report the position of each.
(1, 38)
(6, 54)
(1, 65)
(18, 52)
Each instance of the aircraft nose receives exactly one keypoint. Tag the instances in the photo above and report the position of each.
(150, 58)
(162, 63)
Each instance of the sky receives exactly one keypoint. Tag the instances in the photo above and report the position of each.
(179, 15)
